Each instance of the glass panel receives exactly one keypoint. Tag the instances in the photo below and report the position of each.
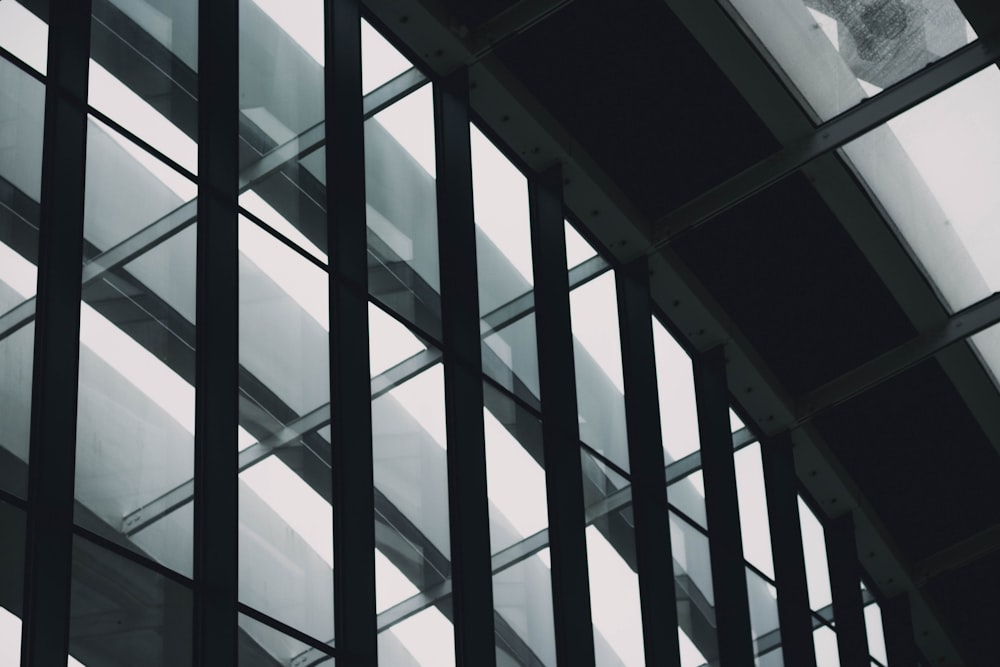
(135, 422)
(876, 634)
(22, 104)
(260, 645)
(933, 169)
(827, 653)
(286, 514)
(675, 383)
(525, 626)
(144, 72)
(754, 526)
(516, 482)
(425, 639)
(123, 614)
(687, 495)
(764, 623)
(411, 506)
(614, 585)
(598, 362)
(503, 256)
(814, 548)
(695, 597)
(839, 52)
(380, 61)
(11, 582)
(24, 34)
(578, 250)
(402, 210)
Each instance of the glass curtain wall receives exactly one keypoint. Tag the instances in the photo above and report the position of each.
(133, 550)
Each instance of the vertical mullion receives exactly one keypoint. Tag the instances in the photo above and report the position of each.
(216, 509)
(897, 623)
(52, 455)
(649, 484)
(780, 484)
(472, 576)
(560, 426)
(732, 610)
(845, 587)
(350, 404)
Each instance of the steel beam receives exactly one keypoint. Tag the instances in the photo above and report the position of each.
(350, 407)
(780, 484)
(649, 486)
(560, 428)
(52, 453)
(472, 580)
(729, 578)
(897, 623)
(845, 587)
(216, 509)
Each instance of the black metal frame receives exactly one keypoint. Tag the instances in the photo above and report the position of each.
(50, 529)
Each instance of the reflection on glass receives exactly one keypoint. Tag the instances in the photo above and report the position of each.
(411, 489)
(814, 548)
(839, 52)
(503, 257)
(754, 526)
(402, 210)
(24, 34)
(598, 363)
(695, 597)
(675, 383)
(525, 630)
(22, 102)
(380, 61)
(764, 625)
(687, 495)
(135, 421)
(260, 645)
(286, 517)
(143, 71)
(122, 613)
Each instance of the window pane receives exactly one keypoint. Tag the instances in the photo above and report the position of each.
(380, 61)
(22, 102)
(814, 548)
(135, 421)
(24, 34)
(402, 210)
(503, 258)
(598, 364)
(754, 526)
(695, 597)
(687, 495)
(675, 383)
(764, 623)
(838, 53)
(123, 614)
(876, 635)
(143, 72)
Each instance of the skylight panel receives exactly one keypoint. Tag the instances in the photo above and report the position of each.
(838, 53)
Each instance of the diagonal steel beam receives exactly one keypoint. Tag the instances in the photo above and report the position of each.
(828, 137)
(958, 327)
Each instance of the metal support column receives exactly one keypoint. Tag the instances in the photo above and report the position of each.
(649, 483)
(897, 623)
(780, 484)
(350, 400)
(729, 579)
(472, 577)
(52, 454)
(560, 428)
(845, 587)
(216, 508)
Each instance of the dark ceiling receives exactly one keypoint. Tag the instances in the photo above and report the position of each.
(633, 86)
